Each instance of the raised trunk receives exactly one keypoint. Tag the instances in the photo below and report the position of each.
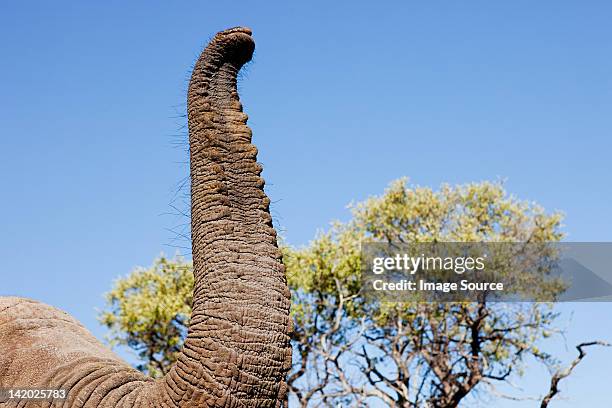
(237, 351)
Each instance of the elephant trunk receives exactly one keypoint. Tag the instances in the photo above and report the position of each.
(237, 351)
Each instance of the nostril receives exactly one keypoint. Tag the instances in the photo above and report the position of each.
(244, 30)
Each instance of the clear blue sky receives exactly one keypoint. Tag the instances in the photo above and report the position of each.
(343, 98)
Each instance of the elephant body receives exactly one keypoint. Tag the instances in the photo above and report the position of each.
(42, 347)
(237, 351)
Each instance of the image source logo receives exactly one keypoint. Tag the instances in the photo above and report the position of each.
(500, 271)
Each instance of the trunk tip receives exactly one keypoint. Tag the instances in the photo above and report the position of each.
(243, 30)
(234, 45)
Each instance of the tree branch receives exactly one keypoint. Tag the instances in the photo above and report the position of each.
(561, 374)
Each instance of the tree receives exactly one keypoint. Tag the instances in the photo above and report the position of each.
(350, 351)
(149, 310)
(411, 354)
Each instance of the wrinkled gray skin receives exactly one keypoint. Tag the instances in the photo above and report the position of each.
(237, 351)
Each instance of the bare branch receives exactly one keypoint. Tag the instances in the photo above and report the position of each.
(561, 374)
